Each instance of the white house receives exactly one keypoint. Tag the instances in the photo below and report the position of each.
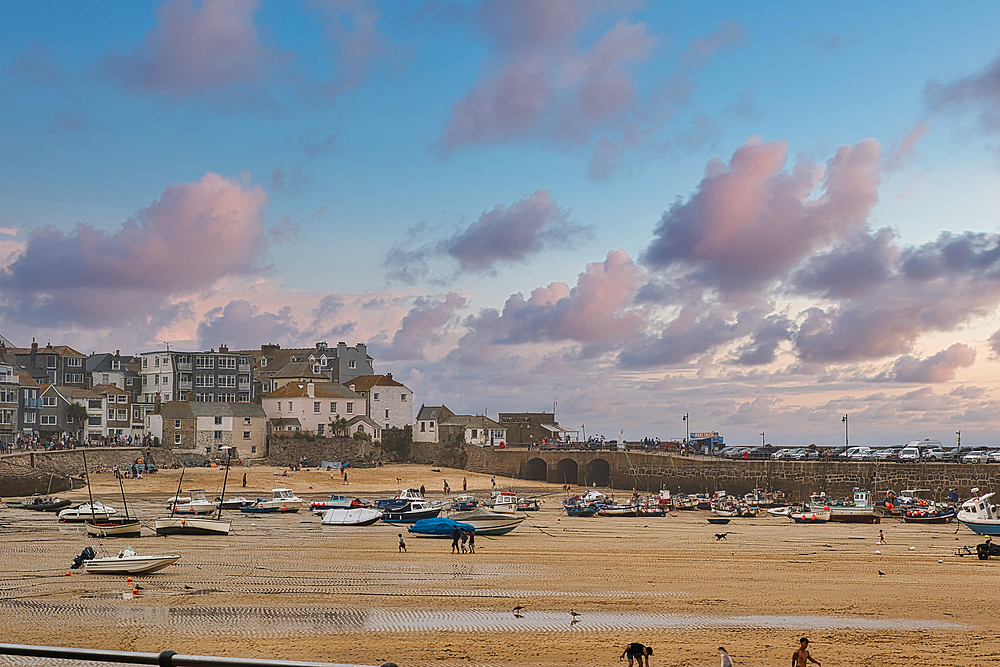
(314, 405)
(388, 402)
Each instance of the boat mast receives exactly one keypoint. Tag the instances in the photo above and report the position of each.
(121, 485)
(173, 505)
(222, 499)
(90, 491)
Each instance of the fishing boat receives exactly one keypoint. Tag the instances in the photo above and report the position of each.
(809, 515)
(855, 509)
(464, 503)
(111, 526)
(337, 501)
(528, 505)
(979, 515)
(197, 523)
(283, 499)
(581, 509)
(234, 504)
(649, 509)
(503, 501)
(129, 562)
(487, 522)
(719, 520)
(437, 527)
(260, 508)
(413, 511)
(929, 515)
(357, 516)
(618, 510)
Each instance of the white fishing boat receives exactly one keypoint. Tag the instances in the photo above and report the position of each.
(503, 501)
(980, 515)
(853, 509)
(284, 500)
(197, 503)
(192, 525)
(360, 516)
(809, 516)
(129, 562)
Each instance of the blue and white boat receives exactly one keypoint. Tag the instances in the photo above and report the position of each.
(413, 511)
(980, 516)
(437, 527)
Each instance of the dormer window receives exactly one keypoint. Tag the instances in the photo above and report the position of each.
(116, 364)
(263, 362)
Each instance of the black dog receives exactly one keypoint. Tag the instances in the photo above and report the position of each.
(720, 536)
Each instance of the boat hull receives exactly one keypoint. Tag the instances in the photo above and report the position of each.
(131, 564)
(362, 516)
(488, 523)
(114, 529)
(47, 507)
(588, 511)
(390, 516)
(982, 528)
(192, 526)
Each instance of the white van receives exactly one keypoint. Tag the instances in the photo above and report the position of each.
(862, 454)
(909, 453)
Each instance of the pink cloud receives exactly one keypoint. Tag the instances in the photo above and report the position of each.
(907, 146)
(209, 48)
(425, 324)
(751, 221)
(940, 367)
(193, 235)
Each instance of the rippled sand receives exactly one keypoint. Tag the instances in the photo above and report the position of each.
(283, 586)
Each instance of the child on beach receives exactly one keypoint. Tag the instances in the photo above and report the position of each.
(465, 539)
(402, 544)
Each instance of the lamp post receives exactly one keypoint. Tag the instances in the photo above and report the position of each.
(959, 434)
(762, 439)
(583, 427)
(687, 428)
(554, 404)
(847, 440)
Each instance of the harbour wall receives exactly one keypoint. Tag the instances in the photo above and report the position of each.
(695, 474)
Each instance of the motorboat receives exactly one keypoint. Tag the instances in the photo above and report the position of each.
(503, 501)
(357, 516)
(855, 509)
(284, 500)
(197, 503)
(259, 507)
(44, 504)
(337, 501)
(528, 505)
(400, 500)
(579, 509)
(487, 522)
(618, 510)
(234, 504)
(412, 512)
(95, 511)
(129, 562)
(464, 503)
(979, 515)
(929, 515)
(780, 511)
(437, 527)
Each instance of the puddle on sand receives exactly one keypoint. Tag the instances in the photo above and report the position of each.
(388, 621)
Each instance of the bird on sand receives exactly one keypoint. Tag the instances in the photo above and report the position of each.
(881, 573)
(726, 660)
(574, 614)
(518, 608)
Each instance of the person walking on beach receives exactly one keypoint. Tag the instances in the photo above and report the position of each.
(881, 537)
(494, 482)
(455, 536)
(465, 484)
(638, 652)
(801, 656)
(472, 541)
(402, 544)
(244, 480)
(423, 491)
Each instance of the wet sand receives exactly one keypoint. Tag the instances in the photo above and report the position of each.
(283, 586)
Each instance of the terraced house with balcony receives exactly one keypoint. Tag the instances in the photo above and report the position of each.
(203, 377)
(54, 412)
(10, 389)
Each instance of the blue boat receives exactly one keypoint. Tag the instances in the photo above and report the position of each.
(411, 513)
(581, 510)
(437, 527)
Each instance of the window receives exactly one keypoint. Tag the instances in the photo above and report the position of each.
(321, 429)
(75, 362)
(350, 408)
(422, 427)
(136, 414)
(95, 404)
(74, 378)
(94, 420)
(253, 449)
(156, 380)
(246, 421)
(289, 406)
(218, 435)
(402, 398)
(29, 418)
(156, 361)
(279, 406)
(474, 431)
(177, 423)
(227, 362)
(386, 414)
(316, 407)
(375, 396)
(246, 435)
(128, 382)
(177, 438)
(432, 425)
(123, 415)
(204, 361)
(123, 398)
(116, 364)
(166, 360)
(105, 378)
(144, 378)
(316, 369)
(352, 364)
(50, 361)
(227, 381)
(218, 421)
(202, 380)
(47, 420)
(111, 414)
(48, 401)
(166, 379)
(144, 360)
(227, 398)
(333, 407)
(263, 362)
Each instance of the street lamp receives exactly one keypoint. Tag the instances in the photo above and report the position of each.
(847, 440)
(554, 404)
(687, 427)
(762, 439)
(583, 427)
(959, 434)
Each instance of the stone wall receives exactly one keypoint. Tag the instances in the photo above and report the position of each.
(27, 473)
(286, 451)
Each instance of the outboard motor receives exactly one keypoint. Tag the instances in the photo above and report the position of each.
(85, 555)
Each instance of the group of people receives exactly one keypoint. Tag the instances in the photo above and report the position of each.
(463, 539)
(638, 653)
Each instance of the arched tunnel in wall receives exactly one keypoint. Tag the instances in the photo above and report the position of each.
(536, 469)
(599, 472)
(567, 472)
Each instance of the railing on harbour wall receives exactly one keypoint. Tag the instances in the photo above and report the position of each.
(162, 659)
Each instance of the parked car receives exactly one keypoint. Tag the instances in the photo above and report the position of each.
(723, 451)
(995, 456)
(862, 454)
(846, 454)
(933, 454)
(888, 453)
(795, 454)
(909, 454)
(780, 454)
(977, 456)
(951, 454)
(833, 453)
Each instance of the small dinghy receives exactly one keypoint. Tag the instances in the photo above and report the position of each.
(361, 516)
(126, 562)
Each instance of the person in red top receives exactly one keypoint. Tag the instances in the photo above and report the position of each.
(801, 656)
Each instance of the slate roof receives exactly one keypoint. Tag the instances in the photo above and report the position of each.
(366, 382)
(186, 410)
(320, 390)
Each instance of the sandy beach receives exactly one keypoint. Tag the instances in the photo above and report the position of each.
(283, 586)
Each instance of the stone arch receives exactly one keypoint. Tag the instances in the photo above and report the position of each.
(567, 472)
(536, 469)
(599, 472)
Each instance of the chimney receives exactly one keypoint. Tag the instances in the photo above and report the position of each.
(311, 390)
(118, 353)
(388, 376)
(157, 404)
(224, 349)
(189, 397)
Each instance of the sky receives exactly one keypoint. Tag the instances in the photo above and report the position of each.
(764, 216)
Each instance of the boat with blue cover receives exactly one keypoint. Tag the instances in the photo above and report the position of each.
(437, 527)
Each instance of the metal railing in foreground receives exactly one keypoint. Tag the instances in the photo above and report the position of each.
(162, 659)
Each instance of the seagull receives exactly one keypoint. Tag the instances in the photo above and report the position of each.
(726, 660)
(574, 615)
(881, 573)
(720, 536)
(518, 608)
